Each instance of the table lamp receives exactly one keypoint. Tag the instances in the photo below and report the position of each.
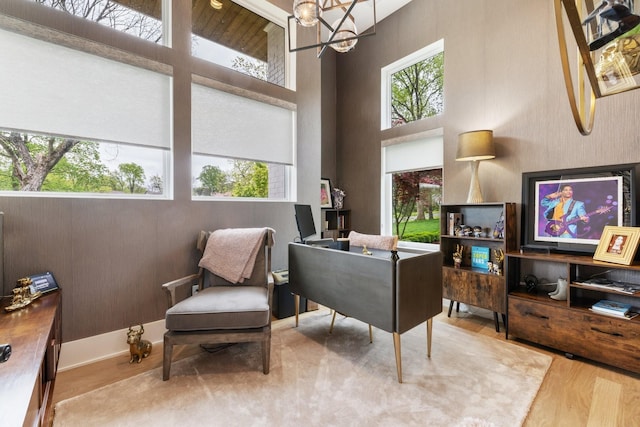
(472, 147)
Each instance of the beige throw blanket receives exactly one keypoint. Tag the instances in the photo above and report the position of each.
(231, 253)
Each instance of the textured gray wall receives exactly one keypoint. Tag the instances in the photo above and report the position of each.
(111, 256)
(500, 74)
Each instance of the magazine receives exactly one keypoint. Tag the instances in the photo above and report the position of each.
(623, 287)
(627, 316)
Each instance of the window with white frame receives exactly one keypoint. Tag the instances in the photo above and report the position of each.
(247, 36)
(242, 147)
(412, 189)
(413, 87)
(82, 124)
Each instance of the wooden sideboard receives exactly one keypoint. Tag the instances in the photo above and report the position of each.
(28, 377)
(569, 325)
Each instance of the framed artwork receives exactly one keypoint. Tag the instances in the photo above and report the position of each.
(568, 209)
(618, 245)
(325, 194)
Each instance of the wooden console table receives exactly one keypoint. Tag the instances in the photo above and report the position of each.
(28, 377)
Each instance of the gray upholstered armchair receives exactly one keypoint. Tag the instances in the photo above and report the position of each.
(234, 298)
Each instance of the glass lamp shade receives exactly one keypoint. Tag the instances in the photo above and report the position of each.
(347, 30)
(306, 12)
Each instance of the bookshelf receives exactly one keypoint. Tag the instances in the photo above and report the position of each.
(570, 326)
(336, 223)
(467, 283)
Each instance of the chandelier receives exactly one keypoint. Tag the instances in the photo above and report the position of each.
(342, 34)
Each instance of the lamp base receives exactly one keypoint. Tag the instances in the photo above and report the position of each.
(475, 194)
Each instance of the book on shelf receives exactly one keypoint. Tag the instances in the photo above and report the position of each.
(623, 287)
(455, 218)
(479, 257)
(611, 307)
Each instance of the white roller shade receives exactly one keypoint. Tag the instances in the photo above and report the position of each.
(227, 125)
(55, 90)
(419, 154)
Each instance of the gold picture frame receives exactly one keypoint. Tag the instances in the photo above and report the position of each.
(618, 244)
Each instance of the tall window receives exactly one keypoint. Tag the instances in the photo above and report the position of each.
(79, 123)
(411, 90)
(413, 87)
(244, 150)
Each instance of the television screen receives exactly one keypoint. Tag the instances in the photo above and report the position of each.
(304, 220)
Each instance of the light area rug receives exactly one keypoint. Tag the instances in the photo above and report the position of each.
(322, 379)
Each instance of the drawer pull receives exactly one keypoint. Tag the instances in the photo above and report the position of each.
(528, 313)
(615, 334)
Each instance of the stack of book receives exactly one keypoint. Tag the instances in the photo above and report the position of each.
(613, 308)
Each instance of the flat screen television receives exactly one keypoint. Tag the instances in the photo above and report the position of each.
(606, 195)
(304, 221)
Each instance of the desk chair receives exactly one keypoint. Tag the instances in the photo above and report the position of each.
(234, 299)
(371, 241)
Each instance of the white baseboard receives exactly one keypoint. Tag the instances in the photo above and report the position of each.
(104, 346)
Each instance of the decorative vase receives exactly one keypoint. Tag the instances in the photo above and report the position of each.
(338, 202)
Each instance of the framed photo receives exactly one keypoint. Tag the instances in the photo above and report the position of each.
(325, 194)
(618, 245)
(567, 210)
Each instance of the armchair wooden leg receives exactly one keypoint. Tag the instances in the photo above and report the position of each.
(166, 358)
(266, 354)
(429, 330)
(370, 335)
(396, 346)
(296, 303)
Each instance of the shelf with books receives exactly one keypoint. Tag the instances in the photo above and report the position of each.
(480, 234)
(336, 223)
(574, 325)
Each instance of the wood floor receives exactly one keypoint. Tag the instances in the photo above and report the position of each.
(575, 392)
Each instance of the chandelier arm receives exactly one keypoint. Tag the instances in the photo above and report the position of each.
(346, 7)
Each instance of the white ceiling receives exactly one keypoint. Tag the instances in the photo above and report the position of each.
(363, 12)
(384, 8)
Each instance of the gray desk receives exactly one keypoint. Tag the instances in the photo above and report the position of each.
(394, 296)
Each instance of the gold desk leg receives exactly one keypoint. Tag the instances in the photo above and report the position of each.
(429, 330)
(396, 345)
(333, 319)
(370, 335)
(296, 303)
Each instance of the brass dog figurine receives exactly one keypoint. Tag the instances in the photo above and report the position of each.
(138, 347)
